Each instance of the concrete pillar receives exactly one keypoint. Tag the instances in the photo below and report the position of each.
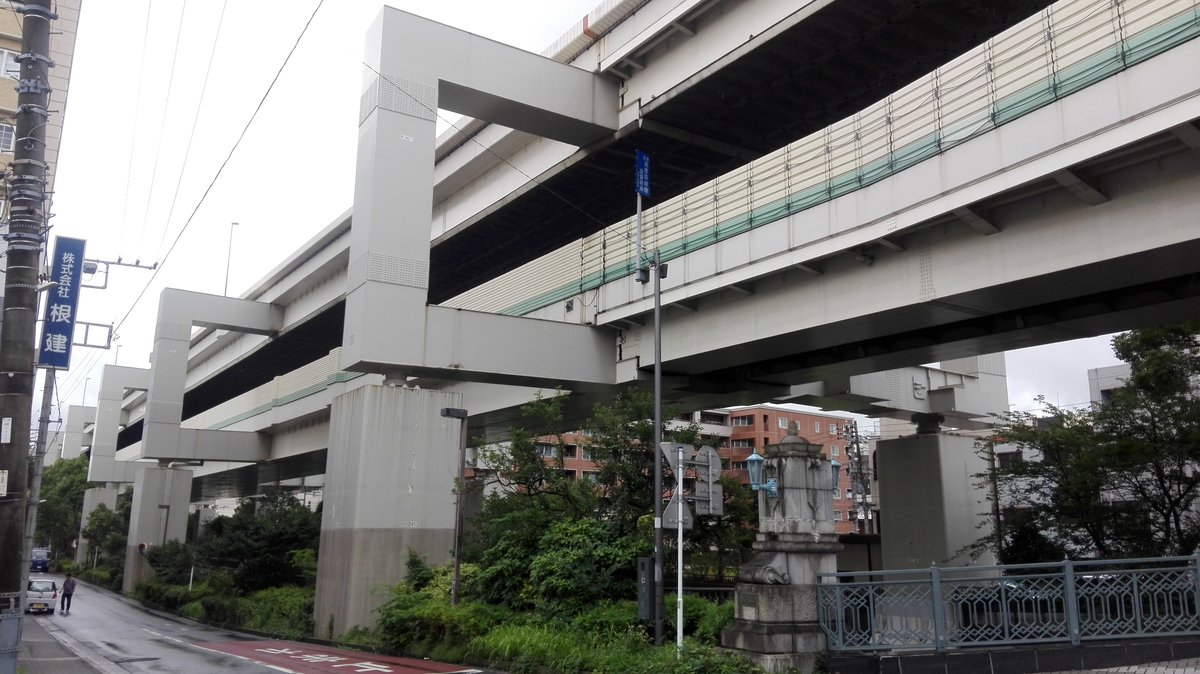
(776, 617)
(106, 495)
(933, 502)
(160, 513)
(389, 488)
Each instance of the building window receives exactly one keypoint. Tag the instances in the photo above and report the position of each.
(714, 419)
(833, 429)
(569, 452)
(837, 491)
(547, 451)
(738, 465)
(1006, 460)
(587, 455)
(834, 450)
(837, 516)
(743, 421)
(744, 443)
(12, 68)
(591, 476)
(816, 427)
(569, 474)
(8, 134)
(783, 422)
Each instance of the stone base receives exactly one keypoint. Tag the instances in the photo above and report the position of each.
(776, 647)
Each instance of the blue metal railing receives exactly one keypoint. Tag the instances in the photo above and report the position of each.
(943, 608)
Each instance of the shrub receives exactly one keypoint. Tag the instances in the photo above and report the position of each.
(715, 618)
(694, 610)
(225, 610)
(417, 623)
(98, 576)
(193, 610)
(609, 619)
(282, 611)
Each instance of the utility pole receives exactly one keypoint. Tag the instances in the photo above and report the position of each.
(859, 478)
(27, 198)
(35, 481)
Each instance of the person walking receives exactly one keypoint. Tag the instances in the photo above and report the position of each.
(68, 589)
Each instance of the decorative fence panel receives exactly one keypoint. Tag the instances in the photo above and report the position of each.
(1068, 602)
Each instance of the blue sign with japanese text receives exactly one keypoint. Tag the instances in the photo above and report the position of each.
(58, 323)
(642, 178)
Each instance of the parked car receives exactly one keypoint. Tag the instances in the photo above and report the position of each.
(39, 559)
(40, 596)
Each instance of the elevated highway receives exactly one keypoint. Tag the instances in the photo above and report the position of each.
(1037, 186)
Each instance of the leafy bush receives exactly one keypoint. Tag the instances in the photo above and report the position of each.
(282, 611)
(715, 618)
(609, 619)
(359, 637)
(225, 610)
(419, 573)
(417, 623)
(166, 596)
(581, 563)
(694, 611)
(529, 648)
(99, 576)
(193, 610)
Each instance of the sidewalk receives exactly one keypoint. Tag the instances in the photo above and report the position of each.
(41, 653)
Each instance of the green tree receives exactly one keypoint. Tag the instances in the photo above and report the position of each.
(1151, 427)
(1118, 478)
(63, 485)
(257, 544)
(542, 529)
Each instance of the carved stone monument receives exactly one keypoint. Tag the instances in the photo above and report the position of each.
(776, 602)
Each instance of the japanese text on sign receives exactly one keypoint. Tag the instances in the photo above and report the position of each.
(58, 322)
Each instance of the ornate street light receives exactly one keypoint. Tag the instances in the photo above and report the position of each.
(754, 466)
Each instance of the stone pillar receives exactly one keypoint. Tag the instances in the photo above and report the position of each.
(160, 513)
(389, 489)
(776, 621)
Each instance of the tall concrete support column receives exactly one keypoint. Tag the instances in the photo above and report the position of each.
(776, 621)
(414, 66)
(92, 498)
(933, 502)
(388, 489)
(160, 514)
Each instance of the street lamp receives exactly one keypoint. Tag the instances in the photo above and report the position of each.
(461, 415)
(754, 466)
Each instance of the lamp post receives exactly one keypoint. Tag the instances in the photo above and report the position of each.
(461, 415)
(228, 258)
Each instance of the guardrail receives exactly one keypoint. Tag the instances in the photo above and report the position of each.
(1065, 48)
(955, 607)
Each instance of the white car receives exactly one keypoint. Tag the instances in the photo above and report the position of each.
(40, 596)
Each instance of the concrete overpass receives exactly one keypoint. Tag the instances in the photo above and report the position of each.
(984, 206)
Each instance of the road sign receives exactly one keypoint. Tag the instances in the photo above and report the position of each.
(642, 174)
(671, 513)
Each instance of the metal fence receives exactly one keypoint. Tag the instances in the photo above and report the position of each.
(1067, 602)
(1067, 47)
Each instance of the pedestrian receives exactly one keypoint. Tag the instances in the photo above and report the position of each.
(67, 591)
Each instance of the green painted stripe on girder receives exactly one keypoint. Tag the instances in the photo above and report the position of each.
(1145, 45)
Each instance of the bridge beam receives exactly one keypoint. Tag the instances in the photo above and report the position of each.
(415, 66)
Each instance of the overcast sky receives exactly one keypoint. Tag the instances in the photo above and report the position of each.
(152, 168)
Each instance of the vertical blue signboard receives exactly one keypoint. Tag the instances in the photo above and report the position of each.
(58, 323)
(642, 179)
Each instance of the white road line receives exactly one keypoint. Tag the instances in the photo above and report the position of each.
(75, 646)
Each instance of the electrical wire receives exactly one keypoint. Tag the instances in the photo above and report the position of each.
(195, 122)
(162, 263)
(162, 123)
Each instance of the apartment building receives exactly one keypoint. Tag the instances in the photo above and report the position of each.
(740, 431)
